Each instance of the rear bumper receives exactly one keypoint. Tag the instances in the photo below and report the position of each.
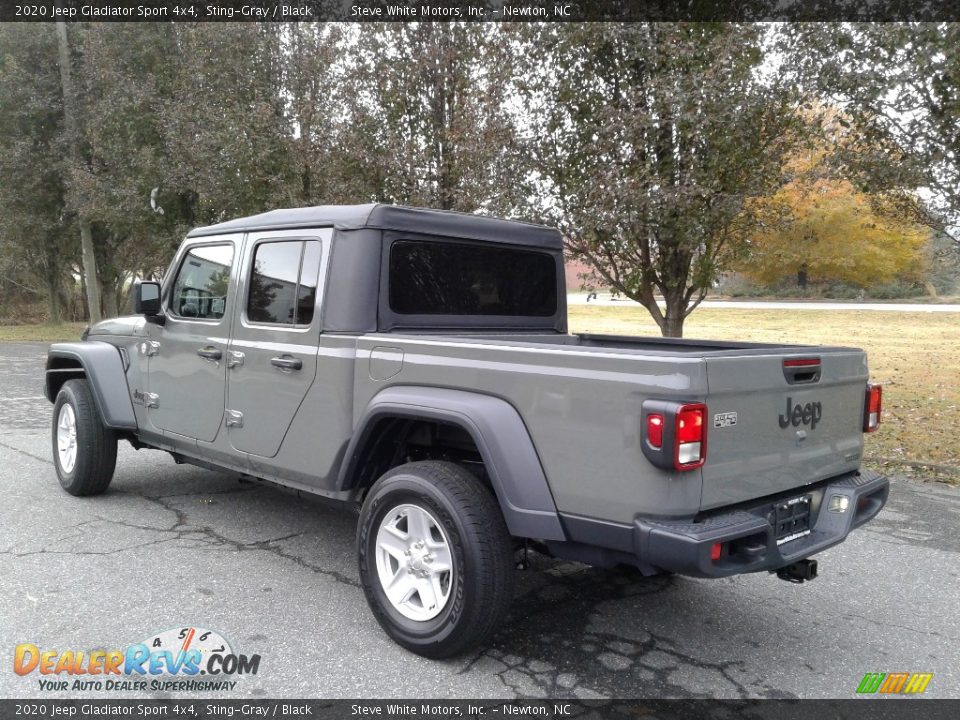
(748, 537)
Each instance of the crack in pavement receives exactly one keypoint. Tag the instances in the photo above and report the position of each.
(882, 621)
(182, 529)
(212, 538)
(234, 491)
(585, 663)
(221, 540)
(27, 454)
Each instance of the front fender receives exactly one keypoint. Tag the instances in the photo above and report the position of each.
(501, 437)
(103, 368)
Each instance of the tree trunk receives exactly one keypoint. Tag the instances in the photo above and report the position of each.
(108, 286)
(54, 308)
(70, 120)
(673, 317)
(56, 302)
(672, 325)
(122, 297)
(83, 294)
(110, 306)
(89, 258)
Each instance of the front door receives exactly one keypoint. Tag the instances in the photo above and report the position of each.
(187, 372)
(276, 329)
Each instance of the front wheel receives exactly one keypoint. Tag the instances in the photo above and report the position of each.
(435, 558)
(84, 451)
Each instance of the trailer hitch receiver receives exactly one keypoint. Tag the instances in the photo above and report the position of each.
(799, 571)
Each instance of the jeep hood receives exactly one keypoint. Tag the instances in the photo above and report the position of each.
(127, 326)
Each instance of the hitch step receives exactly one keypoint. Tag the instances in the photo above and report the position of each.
(799, 571)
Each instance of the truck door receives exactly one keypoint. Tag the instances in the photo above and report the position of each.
(186, 373)
(272, 357)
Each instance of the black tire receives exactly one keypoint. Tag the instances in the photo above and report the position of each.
(96, 445)
(480, 545)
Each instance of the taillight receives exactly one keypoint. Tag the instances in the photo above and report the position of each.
(655, 430)
(690, 440)
(674, 434)
(872, 405)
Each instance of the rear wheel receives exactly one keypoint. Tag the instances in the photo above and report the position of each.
(84, 451)
(435, 558)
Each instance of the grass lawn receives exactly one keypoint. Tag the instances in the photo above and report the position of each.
(916, 356)
(64, 332)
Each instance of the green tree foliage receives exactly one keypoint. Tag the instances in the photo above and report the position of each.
(226, 129)
(650, 139)
(428, 119)
(126, 76)
(899, 84)
(38, 247)
(317, 86)
(646, 143)
(176, 125)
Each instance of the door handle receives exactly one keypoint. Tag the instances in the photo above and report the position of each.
(210, 353)
(286, 363)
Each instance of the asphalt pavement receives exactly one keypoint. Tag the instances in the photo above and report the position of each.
(172, 546)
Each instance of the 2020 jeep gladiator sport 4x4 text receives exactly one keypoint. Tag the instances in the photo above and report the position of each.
(417, 362)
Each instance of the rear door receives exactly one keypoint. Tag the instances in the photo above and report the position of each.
(272, 358)
(781, 421)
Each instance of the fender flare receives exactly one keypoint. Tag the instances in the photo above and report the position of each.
(104, 369)
(500, 435)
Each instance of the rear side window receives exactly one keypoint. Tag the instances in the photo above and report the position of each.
(283, 282)
(436, 278)
(200, 290)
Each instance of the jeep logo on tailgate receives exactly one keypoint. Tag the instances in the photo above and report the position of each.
(808, 414)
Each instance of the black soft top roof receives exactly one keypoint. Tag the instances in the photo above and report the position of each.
(399, 218)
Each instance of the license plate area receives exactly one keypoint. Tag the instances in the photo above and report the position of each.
(791, 518)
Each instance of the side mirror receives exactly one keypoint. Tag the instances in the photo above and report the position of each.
(146, 300)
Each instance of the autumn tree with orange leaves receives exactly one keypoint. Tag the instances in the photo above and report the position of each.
(821, 228)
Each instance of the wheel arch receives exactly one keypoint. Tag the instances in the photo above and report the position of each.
(102, 366)
(496, 429)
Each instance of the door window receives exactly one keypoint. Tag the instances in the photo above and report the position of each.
(200, 290)
(283, 282)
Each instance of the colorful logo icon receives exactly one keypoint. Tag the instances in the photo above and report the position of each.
(894, 683)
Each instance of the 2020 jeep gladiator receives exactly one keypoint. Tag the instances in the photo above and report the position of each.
(418, 362)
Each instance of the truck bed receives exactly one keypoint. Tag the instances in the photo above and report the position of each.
(581, 398)
(658, 345)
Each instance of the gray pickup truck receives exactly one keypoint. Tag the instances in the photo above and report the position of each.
(417, 364)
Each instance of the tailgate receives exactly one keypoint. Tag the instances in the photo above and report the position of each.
(774, 426)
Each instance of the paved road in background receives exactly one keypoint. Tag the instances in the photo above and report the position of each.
(170, 546)
(604, 298)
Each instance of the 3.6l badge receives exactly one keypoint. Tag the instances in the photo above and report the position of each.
(727, 419)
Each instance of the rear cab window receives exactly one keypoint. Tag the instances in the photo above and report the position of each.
(430, 279)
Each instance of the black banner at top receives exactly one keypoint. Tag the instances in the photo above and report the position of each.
(477, 10)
